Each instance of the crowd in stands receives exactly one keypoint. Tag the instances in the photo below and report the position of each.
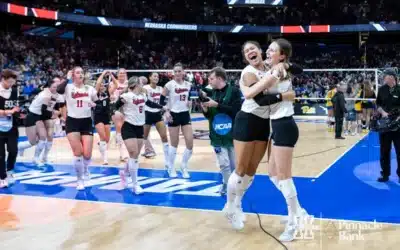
(217, 11)
(39, 58)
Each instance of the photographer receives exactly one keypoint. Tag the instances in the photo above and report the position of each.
(388, 103)
(220, 108)
(8, 126)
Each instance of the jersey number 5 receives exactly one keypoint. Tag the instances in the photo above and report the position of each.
(182, 98)
(79, 103)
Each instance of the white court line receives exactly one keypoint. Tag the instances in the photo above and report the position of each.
(340, 156)
(183, 208)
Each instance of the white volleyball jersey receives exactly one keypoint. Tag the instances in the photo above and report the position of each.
(119, 90)
(78, 100)
(40, 99)
(284, 108)
(178, 96)
(153, 95)
(133, 108)
(249, 105)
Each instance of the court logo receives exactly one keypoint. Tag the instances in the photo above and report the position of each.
(356, 231)
(222, 124)
(306, 228)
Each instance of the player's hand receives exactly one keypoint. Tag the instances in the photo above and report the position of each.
(92, 104)
(210, 104)
(205, 109)
(69, 75)
(289, 96)
(279, 70)
(15, 110)
(167, 117)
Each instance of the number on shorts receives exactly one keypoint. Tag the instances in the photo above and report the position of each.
(182, 98)
(79, 103)
(140, 109)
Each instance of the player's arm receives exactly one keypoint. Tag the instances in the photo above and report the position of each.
(9, 112)
(252, 86)
(99, 81)
(45, 106)
(113, 85)
(164, 94)
(269, 99)
(62, 87)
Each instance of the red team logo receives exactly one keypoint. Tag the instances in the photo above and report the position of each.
(138, 102)
(180, 91)
(76, 95)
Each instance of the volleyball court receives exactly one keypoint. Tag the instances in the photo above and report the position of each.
(337, 178)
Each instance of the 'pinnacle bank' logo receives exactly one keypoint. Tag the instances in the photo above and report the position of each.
(341, 230)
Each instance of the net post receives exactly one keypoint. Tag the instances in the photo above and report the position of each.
(376, 82)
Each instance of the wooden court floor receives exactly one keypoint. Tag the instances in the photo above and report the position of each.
(28, 222)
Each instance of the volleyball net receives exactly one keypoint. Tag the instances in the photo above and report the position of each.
(311, 86)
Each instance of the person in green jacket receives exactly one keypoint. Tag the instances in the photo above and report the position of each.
(220, 107)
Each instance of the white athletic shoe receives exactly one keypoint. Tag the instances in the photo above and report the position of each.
(3, 183)
(172, 172)
(126, 180)
(137, 189)
(289, 233)
(45, 160)
(10, 178)
(36, 161)
(21, 152)
(80, 185)
(293, 225)
(185, 173)
(234, 217)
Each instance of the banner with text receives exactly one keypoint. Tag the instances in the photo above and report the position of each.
(317, 109)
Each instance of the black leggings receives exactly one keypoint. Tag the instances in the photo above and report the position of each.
(10, 139)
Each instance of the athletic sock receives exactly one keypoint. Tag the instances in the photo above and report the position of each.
(172, 156)
(133, 166)
(78, 164)
(186, 157)
(166, 148)
(47, 149)
(275, 181)
(289, 192)
(233, 182)
(39, 148)
(24, 145)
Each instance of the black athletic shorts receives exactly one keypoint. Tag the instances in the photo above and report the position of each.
(180, 119)
(153, 118)
(130, 131)
(113, 108)
(285, 132)
(249, 127)
(367, 105)
(101, 118)
(79, 125)
(31, 119)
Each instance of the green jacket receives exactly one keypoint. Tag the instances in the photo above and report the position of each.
(229, 103)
